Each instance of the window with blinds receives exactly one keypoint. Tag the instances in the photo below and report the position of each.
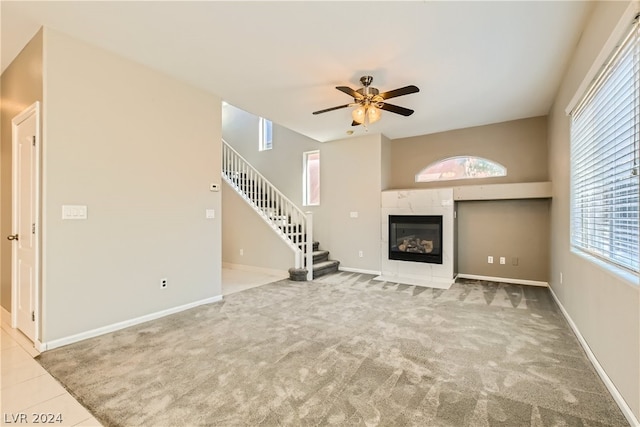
(605, 132)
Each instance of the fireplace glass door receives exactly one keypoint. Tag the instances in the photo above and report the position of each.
(416, 238)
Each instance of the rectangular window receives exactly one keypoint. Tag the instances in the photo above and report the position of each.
(311, 178)
(265, 136)
(605, 129)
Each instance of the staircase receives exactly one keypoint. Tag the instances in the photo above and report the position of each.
(285, 218)
(321, 265)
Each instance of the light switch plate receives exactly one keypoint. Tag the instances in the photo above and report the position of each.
(74, 211)
(353, 214)
(210, 213)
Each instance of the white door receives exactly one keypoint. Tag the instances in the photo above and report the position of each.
(25, 275)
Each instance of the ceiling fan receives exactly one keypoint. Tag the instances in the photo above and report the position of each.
(369, 101)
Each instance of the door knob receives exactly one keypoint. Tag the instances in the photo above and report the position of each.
(12, 237)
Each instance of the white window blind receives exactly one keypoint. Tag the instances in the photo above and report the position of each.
(605, 130)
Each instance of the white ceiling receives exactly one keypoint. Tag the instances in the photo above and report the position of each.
(475, 62)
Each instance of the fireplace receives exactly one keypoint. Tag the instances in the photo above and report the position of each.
(427, 214)
(416, 238)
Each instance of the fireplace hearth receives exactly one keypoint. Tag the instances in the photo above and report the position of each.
(416, 238)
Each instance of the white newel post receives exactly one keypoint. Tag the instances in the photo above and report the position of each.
(298, 259)
(309, 241)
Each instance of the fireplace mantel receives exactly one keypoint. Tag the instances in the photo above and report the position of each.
(510, 191)
(514, 191)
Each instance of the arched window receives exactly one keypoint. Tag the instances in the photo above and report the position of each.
(461, 167)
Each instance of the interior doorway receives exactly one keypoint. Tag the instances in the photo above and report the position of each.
(25, 262)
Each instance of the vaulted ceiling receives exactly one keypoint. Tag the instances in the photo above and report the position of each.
(475, 62)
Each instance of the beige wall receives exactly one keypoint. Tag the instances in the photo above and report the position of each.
(20, 86)
(351, 182)
(605, 308)
(509, 228)
(520, 145)
(244, 229)
(385, 163)
(139, 149)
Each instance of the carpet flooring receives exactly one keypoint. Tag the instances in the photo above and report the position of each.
(344, 350)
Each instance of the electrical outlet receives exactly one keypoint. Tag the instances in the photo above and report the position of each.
(164, 283)
(489, 259)
(503, 260)
(241, 252)
(360, 254)
(561, 278)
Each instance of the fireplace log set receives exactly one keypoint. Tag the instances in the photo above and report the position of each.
(415, 245)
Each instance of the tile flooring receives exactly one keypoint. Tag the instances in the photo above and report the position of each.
(238, 280)
(26, 388)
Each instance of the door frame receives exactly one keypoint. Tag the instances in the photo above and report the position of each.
(15, 122)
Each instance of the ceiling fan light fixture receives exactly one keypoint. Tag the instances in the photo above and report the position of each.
(358, 115)
(366, 114)
(373, 114)
(369, 102)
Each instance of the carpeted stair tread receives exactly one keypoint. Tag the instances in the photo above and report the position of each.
(325, 267)
(319, 269)
(298, 274)
(319, 256)
(324, 264)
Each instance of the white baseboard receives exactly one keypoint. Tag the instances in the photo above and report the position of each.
(626, 410)
(254, 269)
(358, 270)
(504, 280)
(50, 345)
(5, 316)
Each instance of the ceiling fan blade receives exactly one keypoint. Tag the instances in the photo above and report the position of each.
(350, 92)
(395, 109)
(331, 109)
(399, 92)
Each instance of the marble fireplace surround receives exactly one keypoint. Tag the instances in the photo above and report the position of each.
(419, 202)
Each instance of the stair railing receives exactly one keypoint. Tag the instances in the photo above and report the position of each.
(294, 226)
